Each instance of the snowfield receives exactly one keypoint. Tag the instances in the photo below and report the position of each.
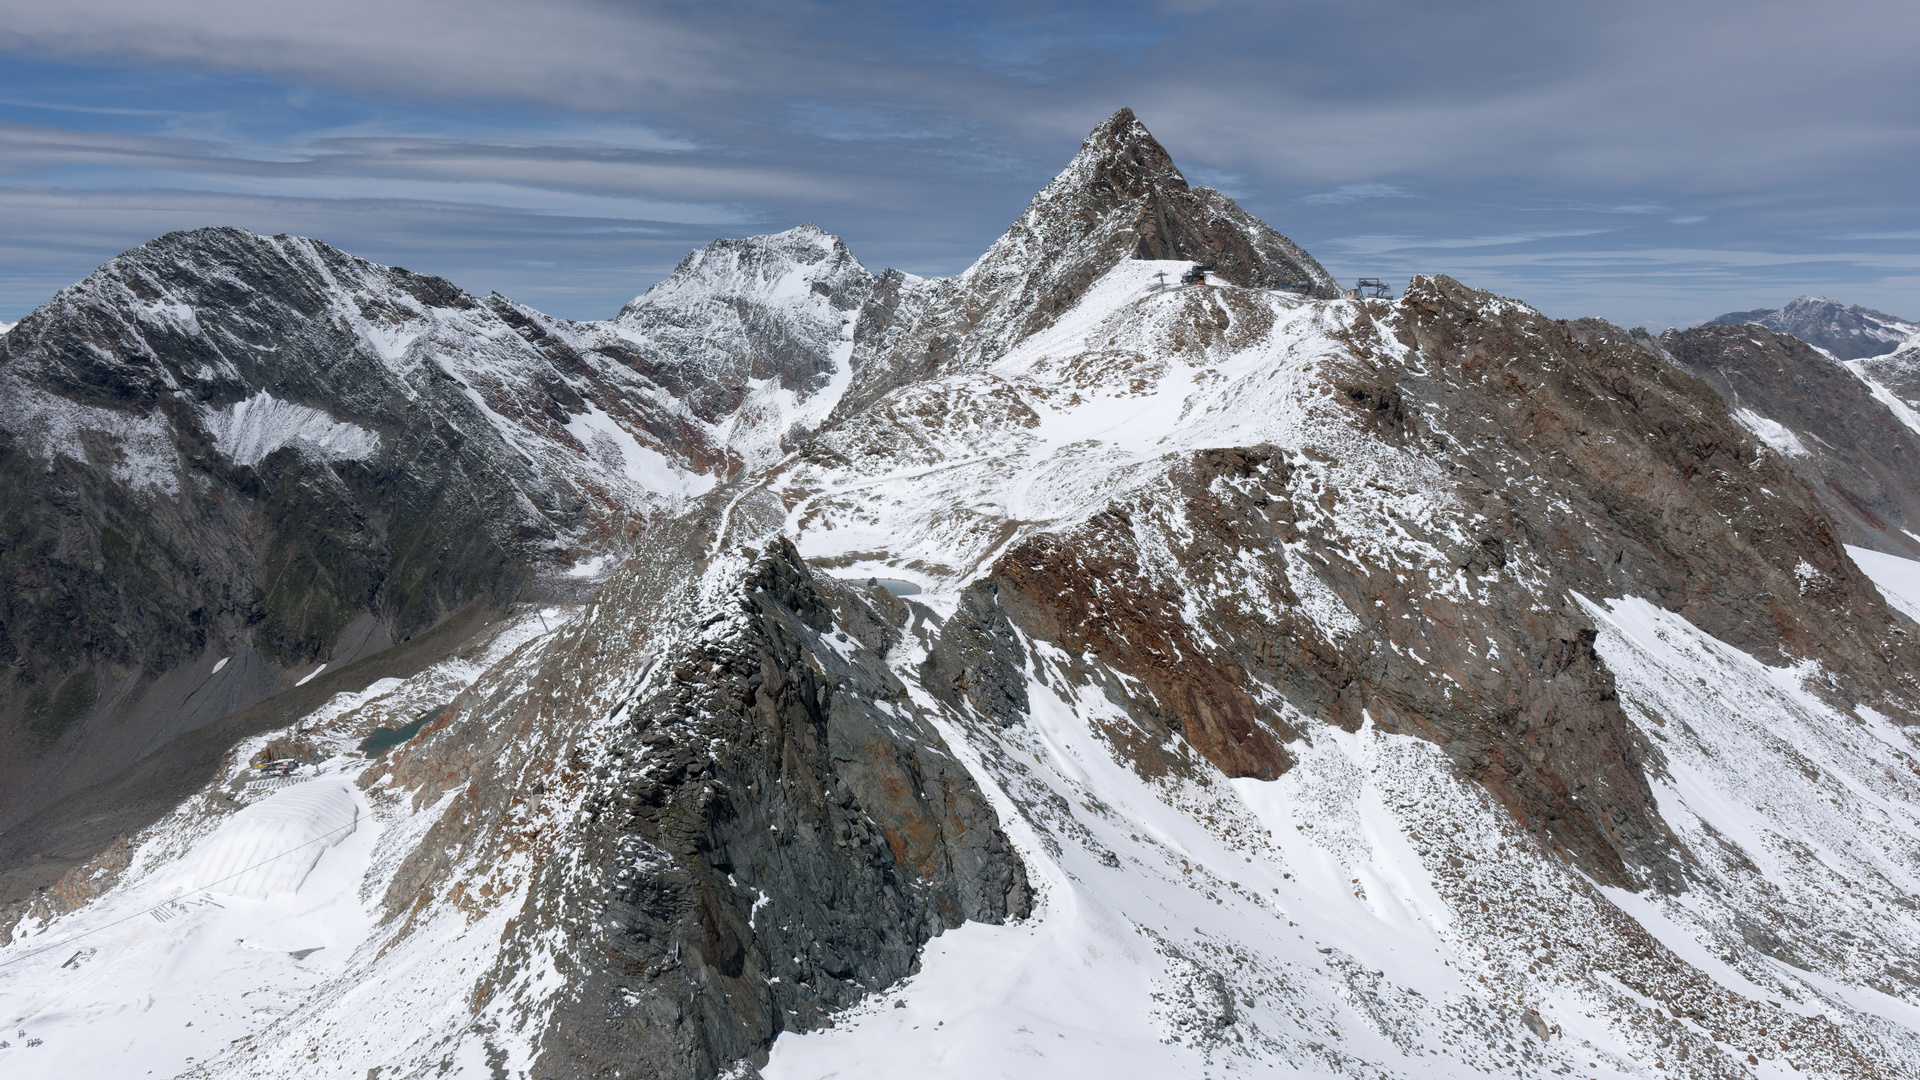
(232, 921)
(1897, 579)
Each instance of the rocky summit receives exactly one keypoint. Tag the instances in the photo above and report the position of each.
(1126, 658)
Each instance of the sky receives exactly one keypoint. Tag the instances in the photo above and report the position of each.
(1650, 163)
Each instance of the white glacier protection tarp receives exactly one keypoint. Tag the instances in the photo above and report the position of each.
(270, 847)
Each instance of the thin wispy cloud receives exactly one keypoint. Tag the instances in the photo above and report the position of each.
(1386, 138)
(1380, 245)
(1351, 193)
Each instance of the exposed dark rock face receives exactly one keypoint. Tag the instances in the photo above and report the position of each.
(1858, 457)
(1597, 462)
(1847, 332)
(223, 445)
(830, 799)
(1690, 513)
(767, 827)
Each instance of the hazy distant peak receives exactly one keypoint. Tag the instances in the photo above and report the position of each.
(1849, 333)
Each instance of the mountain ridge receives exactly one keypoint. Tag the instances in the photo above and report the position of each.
(1376, 687)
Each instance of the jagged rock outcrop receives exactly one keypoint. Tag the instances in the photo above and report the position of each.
(1848, 332)
(711, 808)
(1121, 197)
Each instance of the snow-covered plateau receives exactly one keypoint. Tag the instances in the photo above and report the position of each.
(1054, 671)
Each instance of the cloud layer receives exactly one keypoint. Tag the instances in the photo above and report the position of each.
(1646, 162)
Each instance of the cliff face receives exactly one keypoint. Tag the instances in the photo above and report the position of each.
(1073, 673)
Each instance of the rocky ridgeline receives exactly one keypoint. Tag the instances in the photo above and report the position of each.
(1830, 422)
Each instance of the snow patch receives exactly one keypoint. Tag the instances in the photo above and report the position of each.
(616, 449)
(247, 431)
(1897, 579)
(1900, 409)
(1772, 432)
(270, 847)
(135, 449)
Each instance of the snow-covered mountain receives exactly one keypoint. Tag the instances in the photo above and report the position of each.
(239, 457)
(1848, 332)
(1074, 674)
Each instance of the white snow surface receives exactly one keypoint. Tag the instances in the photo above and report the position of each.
(249, 430)
(1772, 432)
(1897, 579)
(268, 848)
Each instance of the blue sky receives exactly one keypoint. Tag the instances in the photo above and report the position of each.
(1650, 163)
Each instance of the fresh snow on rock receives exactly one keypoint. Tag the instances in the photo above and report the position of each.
(143, 456)
(945, 474)
(249, 430)
(1774, 434)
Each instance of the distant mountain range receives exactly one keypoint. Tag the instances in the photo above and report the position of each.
(1849, 333)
